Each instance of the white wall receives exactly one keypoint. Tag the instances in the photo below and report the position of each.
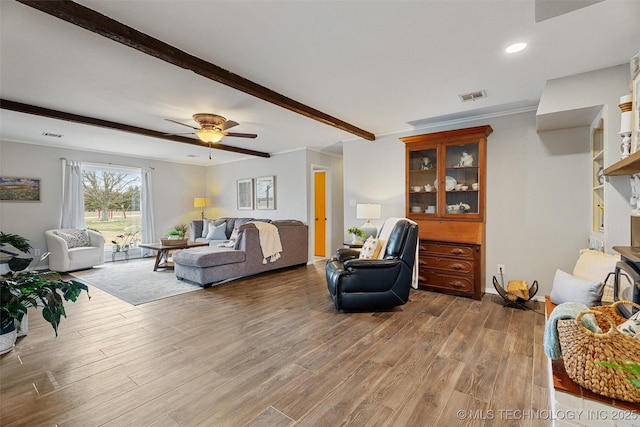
(174, 187)
(602, 88)
(289, 170)
(538, 193)
(538, 209)
(293, 173)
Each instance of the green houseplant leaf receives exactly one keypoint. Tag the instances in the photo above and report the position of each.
(20, 290)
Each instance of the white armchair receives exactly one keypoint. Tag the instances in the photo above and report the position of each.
(74, 249)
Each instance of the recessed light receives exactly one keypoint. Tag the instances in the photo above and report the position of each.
(516, 47)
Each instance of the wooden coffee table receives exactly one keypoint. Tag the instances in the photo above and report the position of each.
(162, 256)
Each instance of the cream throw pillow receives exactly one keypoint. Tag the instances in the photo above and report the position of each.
(76, 239)
(369, 247)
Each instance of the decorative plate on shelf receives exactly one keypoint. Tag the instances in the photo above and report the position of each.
(449, 185)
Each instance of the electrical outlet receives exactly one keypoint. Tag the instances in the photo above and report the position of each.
(501, 269)
(37, 252)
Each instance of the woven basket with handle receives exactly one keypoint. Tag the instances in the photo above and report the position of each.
(611, 312)
(582, 349)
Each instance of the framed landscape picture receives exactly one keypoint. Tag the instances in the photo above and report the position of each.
(19, 189)
(266, 193)
(245, 194)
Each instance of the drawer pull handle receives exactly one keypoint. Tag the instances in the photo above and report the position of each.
(457, 284)
(457, 266)
(457, 251)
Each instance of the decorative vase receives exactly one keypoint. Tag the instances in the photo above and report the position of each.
(8, 337)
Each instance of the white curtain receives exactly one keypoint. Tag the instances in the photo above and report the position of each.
(72, 195)
(146, 207)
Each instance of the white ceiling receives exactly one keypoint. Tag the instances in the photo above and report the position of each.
(383, 66)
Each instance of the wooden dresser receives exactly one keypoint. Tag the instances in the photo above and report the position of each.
(450, 267)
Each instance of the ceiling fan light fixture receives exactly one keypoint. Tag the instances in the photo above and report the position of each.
(209, 135)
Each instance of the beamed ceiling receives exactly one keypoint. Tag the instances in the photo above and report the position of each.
(106, 75)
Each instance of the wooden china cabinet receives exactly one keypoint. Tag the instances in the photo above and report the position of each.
(445, 195)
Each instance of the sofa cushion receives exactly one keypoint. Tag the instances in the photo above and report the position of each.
(217, 232)
(75, 239)
(568, 288)
(208, 257)
(236, 223)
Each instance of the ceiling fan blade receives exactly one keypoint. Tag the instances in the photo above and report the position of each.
(241, 135)
(183, 124)
(184, 133)
(228, 125)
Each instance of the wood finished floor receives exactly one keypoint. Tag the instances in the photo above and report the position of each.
(271, 351)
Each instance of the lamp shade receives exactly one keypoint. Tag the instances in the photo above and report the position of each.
(367, 211)
(200, 202)
(209, 135)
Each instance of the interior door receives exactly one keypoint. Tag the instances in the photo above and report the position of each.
(320, 213)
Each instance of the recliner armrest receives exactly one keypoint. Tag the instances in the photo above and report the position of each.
(344, 254)
(357, 263)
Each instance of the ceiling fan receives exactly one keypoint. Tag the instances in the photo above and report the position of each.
(213, 128)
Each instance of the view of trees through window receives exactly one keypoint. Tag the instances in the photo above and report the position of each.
(112, 202)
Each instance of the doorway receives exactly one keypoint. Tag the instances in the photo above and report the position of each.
(320, 213)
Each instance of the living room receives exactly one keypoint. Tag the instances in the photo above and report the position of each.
(538, 191)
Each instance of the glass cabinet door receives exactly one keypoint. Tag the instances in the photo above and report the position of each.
(462, 179)
(423, 181)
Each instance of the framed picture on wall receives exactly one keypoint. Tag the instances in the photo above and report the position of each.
(245, 194)
(19, 189)
(266, 193)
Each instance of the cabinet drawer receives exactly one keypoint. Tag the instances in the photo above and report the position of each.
(459, 266)
(447, 249)
(434, 281)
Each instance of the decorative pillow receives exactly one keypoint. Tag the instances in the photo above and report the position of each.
(369, 248)
(568, 288)
(205, 227)
(595, 265)
(76, 239)
(631, 326)
(217, 232)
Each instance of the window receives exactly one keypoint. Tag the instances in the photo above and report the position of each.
(112, 202)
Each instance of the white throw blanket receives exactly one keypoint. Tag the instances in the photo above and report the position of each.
(384, 234)
(269, 241)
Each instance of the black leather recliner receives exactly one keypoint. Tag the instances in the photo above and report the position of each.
(374, 284)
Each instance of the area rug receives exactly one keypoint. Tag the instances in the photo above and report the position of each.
(134, 281)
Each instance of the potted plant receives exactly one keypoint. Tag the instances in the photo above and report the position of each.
(357, 233)
(178, 232)
(21, 288)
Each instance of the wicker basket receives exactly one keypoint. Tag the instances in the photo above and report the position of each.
(174, 242)
(611, 312)
(581, 349)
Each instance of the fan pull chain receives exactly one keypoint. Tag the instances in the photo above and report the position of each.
(209, 150)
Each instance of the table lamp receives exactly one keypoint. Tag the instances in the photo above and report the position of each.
(368, 211)
(201, 202)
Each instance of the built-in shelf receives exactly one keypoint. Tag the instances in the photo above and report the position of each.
(628, 166)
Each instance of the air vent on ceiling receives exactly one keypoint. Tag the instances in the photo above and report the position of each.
(472, 96)
(52, 135)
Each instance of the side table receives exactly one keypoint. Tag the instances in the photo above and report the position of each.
(353, 245)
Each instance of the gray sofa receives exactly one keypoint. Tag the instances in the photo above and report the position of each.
(211, 264)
